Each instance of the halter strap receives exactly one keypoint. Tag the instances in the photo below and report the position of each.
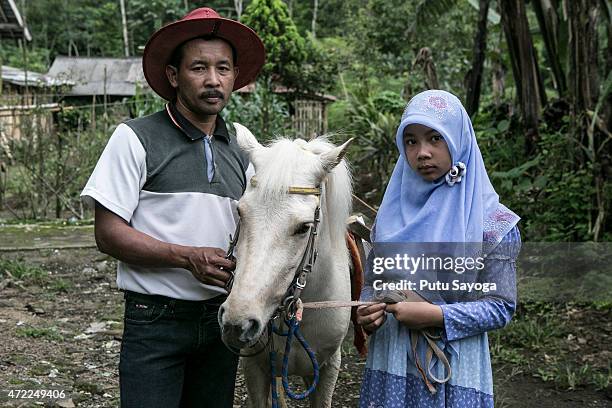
(295, 190)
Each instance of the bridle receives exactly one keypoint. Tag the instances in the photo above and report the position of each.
(290, 305)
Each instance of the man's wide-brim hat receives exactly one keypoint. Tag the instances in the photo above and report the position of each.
(201, 22)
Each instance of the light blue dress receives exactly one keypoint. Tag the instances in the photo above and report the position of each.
(391, 379)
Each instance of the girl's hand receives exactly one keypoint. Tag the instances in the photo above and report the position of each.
(417, 315)
(371, 317)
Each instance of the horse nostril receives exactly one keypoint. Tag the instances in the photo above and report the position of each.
(251, 330)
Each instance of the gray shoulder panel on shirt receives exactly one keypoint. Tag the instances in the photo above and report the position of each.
(177, 164)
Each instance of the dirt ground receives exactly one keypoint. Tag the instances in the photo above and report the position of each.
(62, 331)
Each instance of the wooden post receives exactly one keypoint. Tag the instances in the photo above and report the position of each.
(104, 100)
(238, 8)
(314, 18)
(126, 43)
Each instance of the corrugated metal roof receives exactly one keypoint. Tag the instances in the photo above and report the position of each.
(99, 76)
(17, 76)
(11, 23)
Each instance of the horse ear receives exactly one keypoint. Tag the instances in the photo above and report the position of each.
(333, 157)
(246, 140)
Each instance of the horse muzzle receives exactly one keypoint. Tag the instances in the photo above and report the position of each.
(240, 332)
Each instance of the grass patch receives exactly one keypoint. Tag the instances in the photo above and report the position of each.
(22, 271)
(540, 339)
(49, 333)
(40, 370)
(572, 376)
(87, 386)
(61, 285)
(20, 222)
(116, 315)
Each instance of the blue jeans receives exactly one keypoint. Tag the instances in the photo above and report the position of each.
(172, 355)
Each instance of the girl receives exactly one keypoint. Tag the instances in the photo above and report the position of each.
(434, 352)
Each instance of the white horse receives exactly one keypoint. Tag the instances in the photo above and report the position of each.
(274, 233)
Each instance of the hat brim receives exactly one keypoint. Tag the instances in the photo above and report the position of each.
(250, 52)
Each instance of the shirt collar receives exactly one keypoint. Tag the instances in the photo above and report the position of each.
(191, 131)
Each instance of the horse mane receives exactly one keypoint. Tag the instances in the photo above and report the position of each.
(276, 171)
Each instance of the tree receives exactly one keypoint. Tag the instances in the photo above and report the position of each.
(285, 47)
(570, 33)
(525, 69)
(474, 77)
(551, 28)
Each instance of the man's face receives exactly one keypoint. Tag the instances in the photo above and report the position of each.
(205, 78)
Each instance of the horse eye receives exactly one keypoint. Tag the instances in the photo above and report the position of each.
(302, 228)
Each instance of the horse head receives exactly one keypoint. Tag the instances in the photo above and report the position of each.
(275, 226)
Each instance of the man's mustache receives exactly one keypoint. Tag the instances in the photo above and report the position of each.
(212, 94)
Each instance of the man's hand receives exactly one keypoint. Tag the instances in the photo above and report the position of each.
(117, 238)
(209, 266)
(371, 317)
(417, 315)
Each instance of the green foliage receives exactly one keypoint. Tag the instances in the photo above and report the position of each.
(49, 333)
(552, 191)
(22, 271)
(285, 47)
(572, 376)
(382, 25)
(318, 73)
(333, 16)
(146, 103)
(51, 164)
(61, 285)
(364, 54)
(37, 59)
(374, 119)
(147, 16)
(542, 340)
(428, 11)
(265, 114)
(81, 27)
(386, 39)
(533, 332)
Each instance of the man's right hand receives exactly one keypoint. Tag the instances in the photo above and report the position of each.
(209, 266)
(117, 238)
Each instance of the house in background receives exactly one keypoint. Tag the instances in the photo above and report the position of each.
(11, 23)
(26, 96)
(20, 90)
(97, 79)
(308, 111)
(113, 78)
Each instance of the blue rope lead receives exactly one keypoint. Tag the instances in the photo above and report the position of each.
(294, 329)
(273, 373)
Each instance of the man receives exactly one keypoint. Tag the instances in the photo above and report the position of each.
(165, 191)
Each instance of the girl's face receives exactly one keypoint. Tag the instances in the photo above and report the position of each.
(427, 152)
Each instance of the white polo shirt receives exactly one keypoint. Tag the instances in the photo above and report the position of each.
(153, 173)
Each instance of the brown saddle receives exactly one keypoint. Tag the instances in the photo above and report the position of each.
(356, 233)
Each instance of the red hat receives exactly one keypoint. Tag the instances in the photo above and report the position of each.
(250, 53)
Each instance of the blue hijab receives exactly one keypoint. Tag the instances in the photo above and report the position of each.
(416, 210)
